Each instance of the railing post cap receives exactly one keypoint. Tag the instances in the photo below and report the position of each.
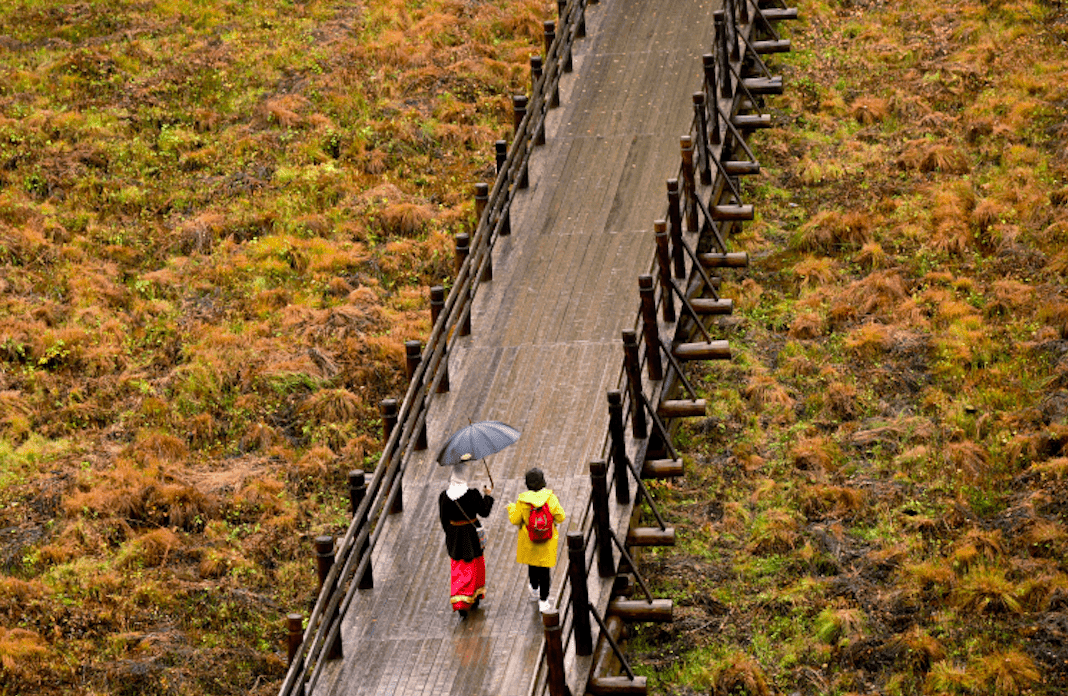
(598, 467)
(324, 543)
(481, 189)
(629, 336)
(388, 406)
(698, 97)
(686, 141)
(519, 101)
(356, 474)
(673, 185)
(645, 281)
(437, 292)
(615, 397)
(413, 347)
(660, 226)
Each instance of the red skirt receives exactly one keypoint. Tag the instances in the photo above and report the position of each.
(468, 583)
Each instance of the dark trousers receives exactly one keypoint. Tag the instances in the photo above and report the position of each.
(539, 580)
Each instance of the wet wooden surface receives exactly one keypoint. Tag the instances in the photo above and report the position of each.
(544, 349)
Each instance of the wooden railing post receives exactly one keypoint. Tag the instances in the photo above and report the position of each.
(413, 355)
(702, 137)
(726, 91)
(500, 149)
(580, 594)
(463, 250)
(437, 304)
(357, 492)
(602, 523)
(732, 29)
(294, 636)
(650, 328)
(554, 654)
(388, 410)
(689, 188)
(639, 427)
(709, 62)
(481, 199)
(675, 222)
(663, 262)
(519, 112)
(294, 639)
(535, 82)
(619, 446)
(324, 561)
(561, 8)
(549, 29)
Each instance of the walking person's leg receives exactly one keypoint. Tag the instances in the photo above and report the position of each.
(533, 580)
(543, 578)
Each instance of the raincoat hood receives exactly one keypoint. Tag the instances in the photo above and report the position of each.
(535, 498)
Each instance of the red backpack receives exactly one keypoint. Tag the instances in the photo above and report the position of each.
(540, 523)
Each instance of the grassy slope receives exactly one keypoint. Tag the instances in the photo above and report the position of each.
(886, 452)
(218, 224)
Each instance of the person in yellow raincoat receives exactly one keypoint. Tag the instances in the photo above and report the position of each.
(538, 556)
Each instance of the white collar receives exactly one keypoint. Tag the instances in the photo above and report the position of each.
(456, 489)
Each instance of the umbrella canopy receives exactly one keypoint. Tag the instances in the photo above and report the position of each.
(477, 440)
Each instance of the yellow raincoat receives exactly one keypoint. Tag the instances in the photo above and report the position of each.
(540, 553)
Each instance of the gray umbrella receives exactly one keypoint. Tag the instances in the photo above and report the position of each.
(476, 441)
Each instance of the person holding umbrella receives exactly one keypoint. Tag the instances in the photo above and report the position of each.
(459, 508)
(537, 512)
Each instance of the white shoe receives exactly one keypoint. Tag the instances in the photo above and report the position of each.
(544, 605)
(534, 594)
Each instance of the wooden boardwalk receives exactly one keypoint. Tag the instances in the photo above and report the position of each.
(544, 349)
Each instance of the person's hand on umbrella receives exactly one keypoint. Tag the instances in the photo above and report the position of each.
(488, 490)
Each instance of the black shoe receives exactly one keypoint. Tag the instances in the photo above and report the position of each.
(462, 613)
(475, 605)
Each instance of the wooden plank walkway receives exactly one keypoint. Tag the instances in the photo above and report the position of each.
(545, 347)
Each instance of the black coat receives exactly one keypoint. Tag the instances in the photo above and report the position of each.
(461, 541)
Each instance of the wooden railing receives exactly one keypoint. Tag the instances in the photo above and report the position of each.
(704, 208)
(345, 566)
(677, 275)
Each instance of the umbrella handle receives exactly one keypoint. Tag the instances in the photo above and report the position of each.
(488, 474)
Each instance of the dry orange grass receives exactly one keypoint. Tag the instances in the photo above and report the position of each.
(970, 461)
(1008, 672)
(739, 673)
(869, 340)
(20, 650)
(917, 649)
(774, 531)
(816, 271)
(815, 454)
(829, 231)
(765, 392)
(823, 501)
(869, 110)
(934, 156)
(808, 325)
(149, 550)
